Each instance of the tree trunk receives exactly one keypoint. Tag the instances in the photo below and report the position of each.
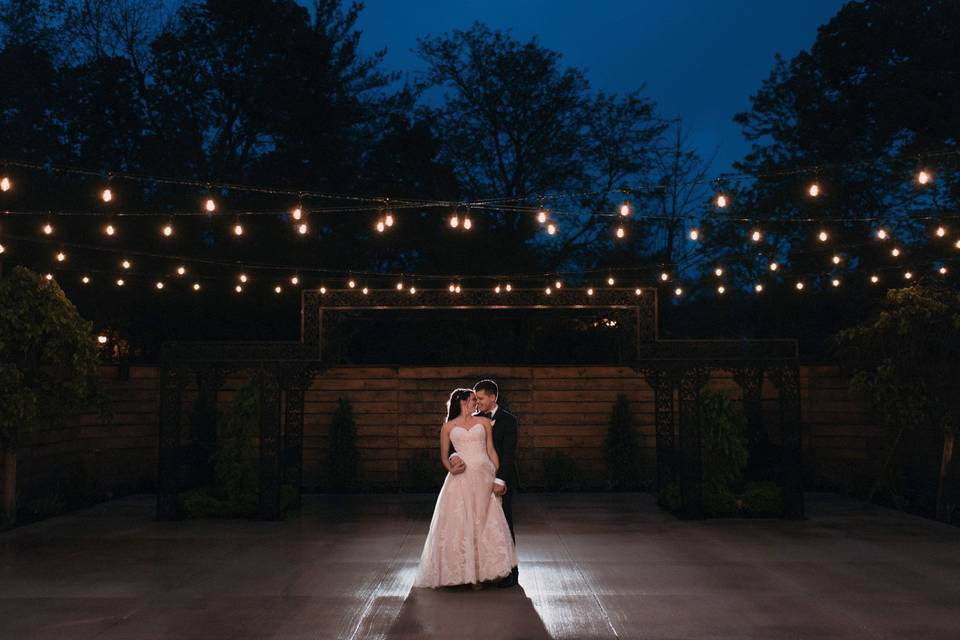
(946, 497)
(9, 486)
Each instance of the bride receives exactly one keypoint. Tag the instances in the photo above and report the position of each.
(469, 541)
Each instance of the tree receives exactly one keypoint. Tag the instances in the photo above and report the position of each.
(48, 364)
(906, 362)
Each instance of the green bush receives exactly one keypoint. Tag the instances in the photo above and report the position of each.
(620, 448)
(668, 498)
(723, 428)
(342, 462)
(759, 499)
(560, 472)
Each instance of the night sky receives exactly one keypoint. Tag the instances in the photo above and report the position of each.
(700, 59)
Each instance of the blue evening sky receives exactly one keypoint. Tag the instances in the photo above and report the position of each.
(700, 59)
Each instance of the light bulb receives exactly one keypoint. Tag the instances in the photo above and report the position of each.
(243, 277)
(294, 280)
(509, 287)
(882, 234)
(496, 289)
(823, 237)
(590, 291)
(120, 282)
(413, 290)
(168, 230)
(159, 285)
(625, 208)
(694, 234)
(454, 221)
(467, 223)
(388, 220)
(85, 279)
(874, 279)
(611, 281)
(718, 272)
(380, 226)
(678, 291)
(941, 232)
(908, 275)
(664, 276)
(238, 229)
(924, 177)
(548, 291)
(365, 291)
(551, 229)
(800, 286)
(125, 264)
(836, 259)
(238, 289)
(196, 286)
(721, 201)
(457, 289)
(399, 286)
(297, 213)
(621, 232)
(302, 229)
(814, 190)
(2, 248)
(49, 276)
(452, 287)
(277, 289)
(638, 291)
(774, 266)
(352, 284)
(48, 229)
(109, 230)
(181, 270)
(323, 291)
(835, 282)
(541, 216)
(210, 205)
(6, 184)
(943, 271)
(721, 289)
(106, 195)
(758, 288)
(895, 252)
(102, 339)
(957, 244)
(61, 256)
(557, 285)
(755, 236)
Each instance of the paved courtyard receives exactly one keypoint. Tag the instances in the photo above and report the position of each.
(592, 566)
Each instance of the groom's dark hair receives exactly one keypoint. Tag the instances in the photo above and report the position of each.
(487, 386)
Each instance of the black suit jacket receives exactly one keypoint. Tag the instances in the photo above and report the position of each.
(505, 444)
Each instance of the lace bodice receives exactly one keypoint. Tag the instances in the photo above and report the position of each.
(470, 443)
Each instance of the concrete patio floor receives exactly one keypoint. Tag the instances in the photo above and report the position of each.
(592, 566)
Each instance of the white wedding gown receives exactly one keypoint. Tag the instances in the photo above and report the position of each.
(469, 540)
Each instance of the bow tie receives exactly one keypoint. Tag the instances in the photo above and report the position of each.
(484, 414)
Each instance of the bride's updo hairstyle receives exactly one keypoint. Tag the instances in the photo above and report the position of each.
(453, 404)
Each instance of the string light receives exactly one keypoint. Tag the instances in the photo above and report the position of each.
(106, 195)
(558, 285)
(6, 184)
(400, 286)
(718, 271)
(835, 282)
(167, 230)
(126, 264)
(196, 286)
(48, 229)
(678, 292)
(721, 289)
(294, 280)
(694, 234)
(323, 291)
(243, 277)
(238, 229)
(895, 252)
(159, 285)
(908, 275)
(381, 226)
(924, 177)
(814, 190)
(941, 232)
(181, 270)
(452, 288)
(2, 248)
(774, 266)
(882, 234)
(836, 259)
(823, 236)
(800, 286)
(509, 287)
(365, 291)
(496, 289)
(943, 271)
(551, 229)
(590, 291)
(238, 289)
(758, 288)
(625, 208)
(297, 213)
(49, 276)
(454, 221)
(210, 206)
(85, 279)
(413, 291)
(120, 282)
(457, 289)
(957, 244)
(638, 291)
(548, 291)
(278, 289)
(542, 216)
(102, 339)
(388, 220)
(302, 229)
(664, 276)
(756, 236)
(874, 279)
(352, 284)
(109, 230)
(611, 281)
(467, 223)
(621, 232)
(61, 256)
(721, 201)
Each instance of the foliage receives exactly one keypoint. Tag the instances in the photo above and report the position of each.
(48, 364)
(343, 455)
(620, 448)
(560, 472)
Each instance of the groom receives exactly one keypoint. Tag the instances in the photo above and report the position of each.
(505, 444)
